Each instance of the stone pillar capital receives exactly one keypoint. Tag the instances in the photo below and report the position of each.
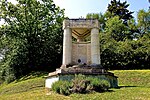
(66, 24)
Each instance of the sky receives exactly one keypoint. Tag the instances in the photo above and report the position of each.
(79, 8)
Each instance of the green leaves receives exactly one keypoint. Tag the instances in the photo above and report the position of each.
(124, 43)
(116, 8)
(144, 21)
(33, 30)
(116, 29)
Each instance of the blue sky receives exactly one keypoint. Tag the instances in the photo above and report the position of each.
(78, 8)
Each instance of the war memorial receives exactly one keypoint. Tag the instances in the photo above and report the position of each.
(79, 55)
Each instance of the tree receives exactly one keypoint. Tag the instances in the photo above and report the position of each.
(133, 29)
(34, 30)
(144, 21)
(117, 30)
(116, 8)
(123, 42)
(92, 16)
(127, 54)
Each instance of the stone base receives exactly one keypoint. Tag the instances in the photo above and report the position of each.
(69, 73)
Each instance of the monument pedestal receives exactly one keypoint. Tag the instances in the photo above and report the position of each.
(68, 74)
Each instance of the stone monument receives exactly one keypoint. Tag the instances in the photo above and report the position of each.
(85, 51)
(80, 56)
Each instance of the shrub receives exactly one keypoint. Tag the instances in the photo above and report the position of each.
(99, 85)
(61, 87)
(9, 75)
(105, 85)
(83, 84)
(80, 84)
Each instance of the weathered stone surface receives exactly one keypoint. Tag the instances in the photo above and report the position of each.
(95, 49)
(87, 52)
(67, 47)
(69, 73)
(81, 23)
(81, 69)
(81, 51)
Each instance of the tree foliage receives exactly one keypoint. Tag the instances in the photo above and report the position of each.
(117, 8)
(144, 21)
(125, 44)
(127, 54)
(117, 29)
(33, 35)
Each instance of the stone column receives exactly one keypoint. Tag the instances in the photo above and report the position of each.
(67, 46)
(95, 47)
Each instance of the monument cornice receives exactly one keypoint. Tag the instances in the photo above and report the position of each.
(80, 23)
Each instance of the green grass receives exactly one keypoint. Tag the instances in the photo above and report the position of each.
(134, 85)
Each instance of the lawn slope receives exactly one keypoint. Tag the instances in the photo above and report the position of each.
(133, 85)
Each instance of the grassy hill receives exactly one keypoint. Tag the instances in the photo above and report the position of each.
(133, 85)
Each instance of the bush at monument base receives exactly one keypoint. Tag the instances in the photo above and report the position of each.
(81, 84)
(62, 87)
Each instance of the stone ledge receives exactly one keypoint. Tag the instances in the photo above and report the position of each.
(61, 74)
(81, 70)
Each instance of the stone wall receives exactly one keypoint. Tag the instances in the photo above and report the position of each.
(81, 51)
